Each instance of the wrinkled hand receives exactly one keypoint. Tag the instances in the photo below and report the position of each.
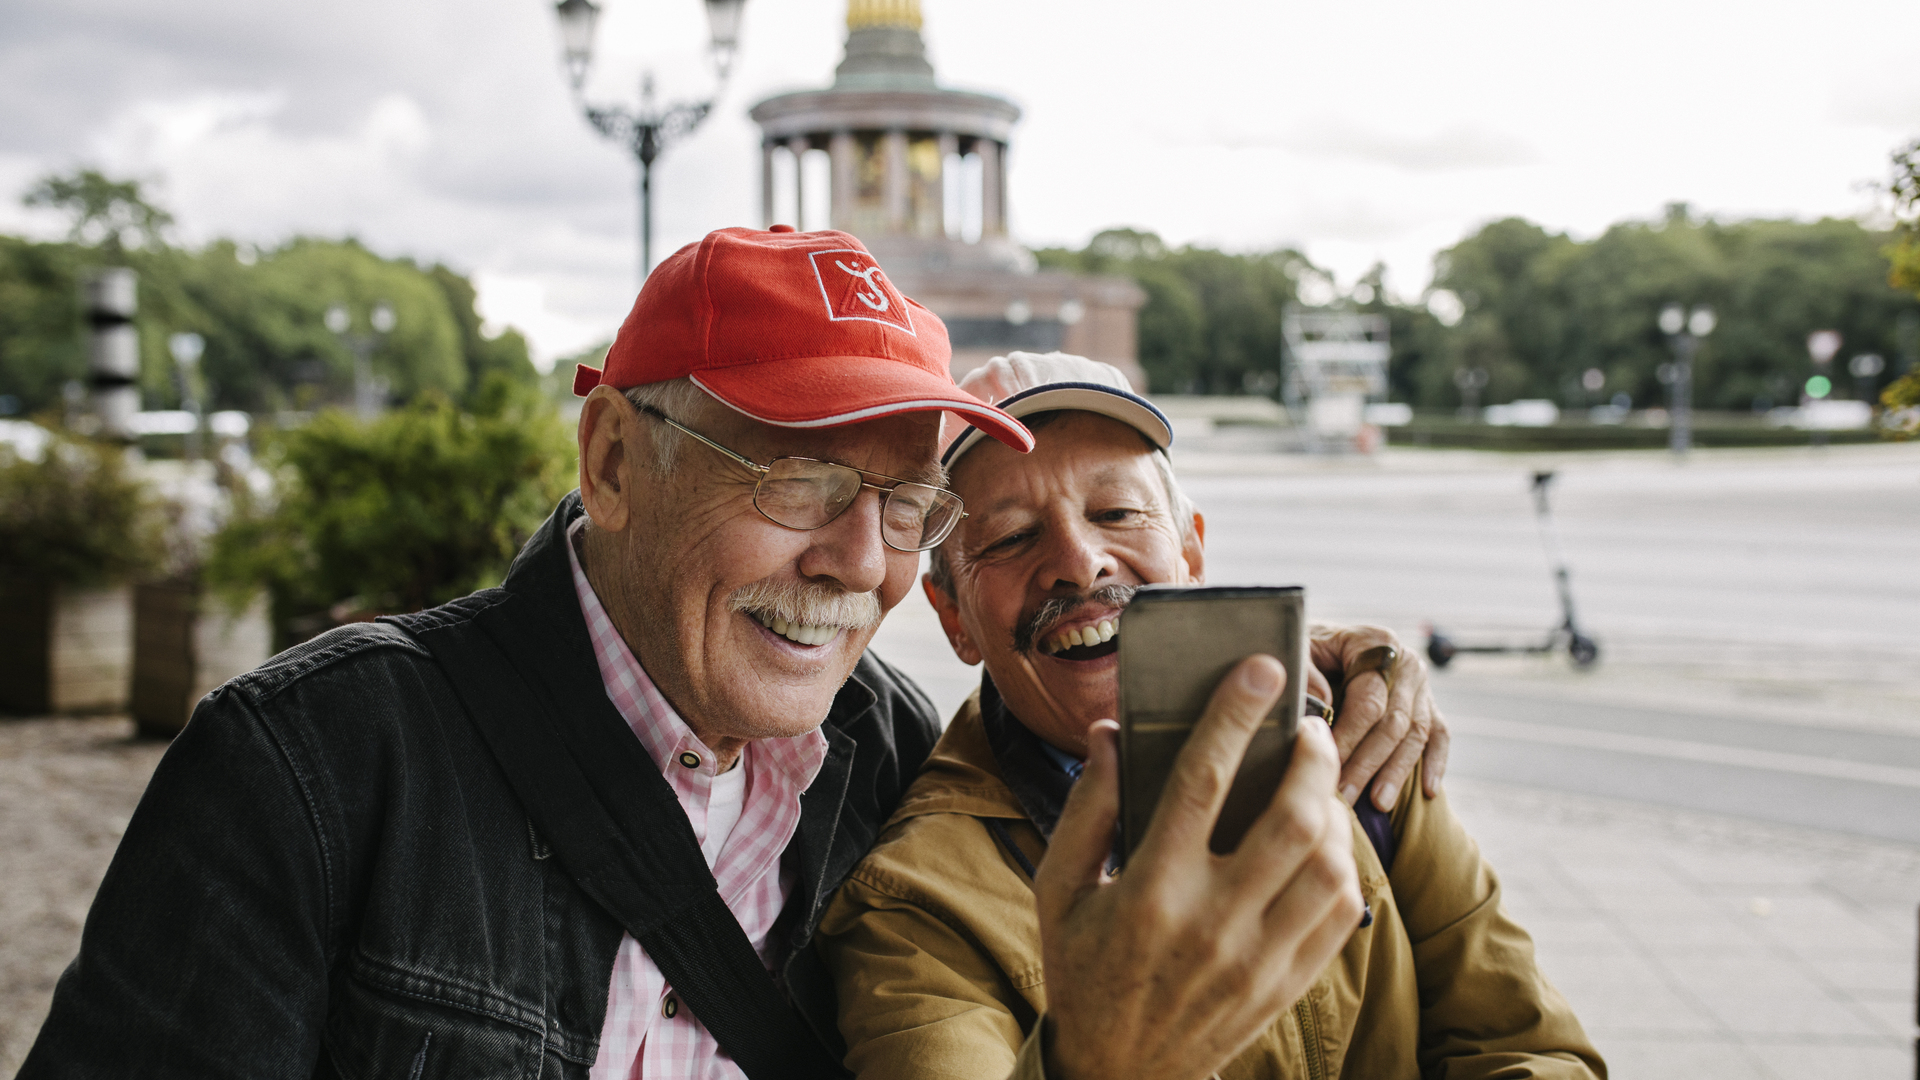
(1380, 732)
(1171, 969)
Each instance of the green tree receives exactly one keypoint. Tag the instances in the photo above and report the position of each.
(1211, 323)
(1542, 309)
(42, 334)
(505, 354)
(111, 215)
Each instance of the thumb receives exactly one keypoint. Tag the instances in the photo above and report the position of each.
(1083, 839)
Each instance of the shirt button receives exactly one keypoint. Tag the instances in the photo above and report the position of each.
(669, 1007)
(690, 759)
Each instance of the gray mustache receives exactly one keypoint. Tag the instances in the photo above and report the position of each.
(809, 603)
(1060, 607)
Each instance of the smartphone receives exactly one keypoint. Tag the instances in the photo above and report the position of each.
(1176, 644)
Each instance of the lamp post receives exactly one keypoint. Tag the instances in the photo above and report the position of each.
(1683, 332)
(369, 390)
(1864, 368)
(1470, 381)
(651, 129)
(186, 350)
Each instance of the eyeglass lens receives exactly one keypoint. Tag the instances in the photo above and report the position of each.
(802, 494)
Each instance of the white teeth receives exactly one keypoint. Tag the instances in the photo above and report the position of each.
(1104, 630)
(797, 632)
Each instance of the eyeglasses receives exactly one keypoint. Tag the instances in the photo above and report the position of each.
(806, 494)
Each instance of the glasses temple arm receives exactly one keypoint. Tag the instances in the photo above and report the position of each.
(758, 469)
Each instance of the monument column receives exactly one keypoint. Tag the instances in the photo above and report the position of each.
(949, 148)
(798, 147)
(896, 181)
(840, 149)
(993, 199)
(766, 183)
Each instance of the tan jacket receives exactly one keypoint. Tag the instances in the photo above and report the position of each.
(935, 950)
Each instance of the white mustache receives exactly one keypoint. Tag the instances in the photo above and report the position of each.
(807, 603)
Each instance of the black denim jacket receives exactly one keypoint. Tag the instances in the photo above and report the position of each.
(329, 876)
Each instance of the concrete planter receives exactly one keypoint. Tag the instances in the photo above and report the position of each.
(186, 643)
(62, 649)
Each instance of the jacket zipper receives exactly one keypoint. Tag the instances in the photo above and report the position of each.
(1310, 1040)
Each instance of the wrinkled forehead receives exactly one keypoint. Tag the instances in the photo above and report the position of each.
(1073, 451)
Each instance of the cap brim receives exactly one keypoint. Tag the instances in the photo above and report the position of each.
(832, 391)
(1130, 409)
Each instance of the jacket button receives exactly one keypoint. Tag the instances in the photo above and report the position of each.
(690, 759)
(669, 1007)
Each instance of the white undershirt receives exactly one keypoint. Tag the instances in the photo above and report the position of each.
(724, 804)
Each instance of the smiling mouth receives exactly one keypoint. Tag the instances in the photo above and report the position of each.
(1084, 643)
(798, 633)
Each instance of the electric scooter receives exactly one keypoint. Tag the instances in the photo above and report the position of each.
(1583, 649)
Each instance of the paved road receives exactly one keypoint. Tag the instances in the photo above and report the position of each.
(1759, 612)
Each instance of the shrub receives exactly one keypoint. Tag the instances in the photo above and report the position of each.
(406, 511)
(74, 515)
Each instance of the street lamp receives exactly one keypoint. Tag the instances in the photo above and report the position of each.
(186, 350)
(1684, 332)
(1863, 368)
(646, 133)
(369, 390)
(1470, 381)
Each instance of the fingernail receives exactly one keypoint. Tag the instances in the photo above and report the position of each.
(1349, 794)
(1385, 794)
(1260, 678)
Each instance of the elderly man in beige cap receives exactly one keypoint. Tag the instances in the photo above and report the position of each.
(956, 944)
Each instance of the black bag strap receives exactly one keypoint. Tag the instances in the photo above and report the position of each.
(611, 819)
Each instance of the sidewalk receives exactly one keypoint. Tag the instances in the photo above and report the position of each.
(1704, 947)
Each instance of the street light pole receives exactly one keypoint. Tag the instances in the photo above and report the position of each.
(369, 390)
(1683, 334)
(648, 131)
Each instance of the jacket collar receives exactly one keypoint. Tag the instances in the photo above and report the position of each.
(1030, 772)
(987, 764)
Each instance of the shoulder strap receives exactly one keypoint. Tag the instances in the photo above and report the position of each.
(614, 824)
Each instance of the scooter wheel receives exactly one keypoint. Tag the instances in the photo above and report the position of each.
(1584, 650)
(1440, 650)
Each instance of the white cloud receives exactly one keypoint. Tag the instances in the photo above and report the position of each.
(520, 302)
(442, 129)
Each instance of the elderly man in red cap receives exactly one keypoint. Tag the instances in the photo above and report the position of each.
(586, 823)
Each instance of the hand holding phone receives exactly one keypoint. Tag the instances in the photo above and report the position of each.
(1176, 644)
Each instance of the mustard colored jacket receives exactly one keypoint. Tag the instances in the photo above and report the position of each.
(934, 947)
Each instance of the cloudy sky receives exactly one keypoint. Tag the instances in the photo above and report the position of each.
(442, 129)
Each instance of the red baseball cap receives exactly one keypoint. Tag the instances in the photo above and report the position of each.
(792, 329)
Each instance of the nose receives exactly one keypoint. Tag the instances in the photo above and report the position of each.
(1072, 558)
(848, 549)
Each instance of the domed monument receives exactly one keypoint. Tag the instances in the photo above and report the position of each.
(918, 172)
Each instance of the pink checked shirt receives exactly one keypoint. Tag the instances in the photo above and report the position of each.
(648, 1033)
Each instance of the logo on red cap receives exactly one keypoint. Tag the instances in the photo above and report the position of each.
(854, 287)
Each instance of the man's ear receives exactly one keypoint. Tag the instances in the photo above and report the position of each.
(1193, 549)
(608, 426)
(949, 612)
